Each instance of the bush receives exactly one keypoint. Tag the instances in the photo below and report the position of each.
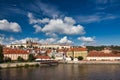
(26, 65)
(37, 65)
(53, 57)
(71, 58)
(1, 54)
(31, 57)
(80, 58)
(7, 59)
(20, 59)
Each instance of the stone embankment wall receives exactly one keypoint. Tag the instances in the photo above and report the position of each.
(10, 65)
(94, 62)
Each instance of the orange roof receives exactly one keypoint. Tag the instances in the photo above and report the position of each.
(101, 54)
(14, 51)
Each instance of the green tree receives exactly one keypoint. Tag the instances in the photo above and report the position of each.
(31, 57)
(80, 58)
(53, 57)
(1, 54)
(7, 59)
(20, 59)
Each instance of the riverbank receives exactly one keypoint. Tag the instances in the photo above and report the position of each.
(19, 64)
(91, 62)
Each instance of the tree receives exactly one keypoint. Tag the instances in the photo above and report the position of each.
(7, 59)
(80, 58)
(31, 57)
(20, 59)
(53, 57)
(1, 54)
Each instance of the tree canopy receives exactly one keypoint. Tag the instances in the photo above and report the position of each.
(1, 54)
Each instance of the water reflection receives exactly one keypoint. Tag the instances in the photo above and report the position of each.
(63, 72)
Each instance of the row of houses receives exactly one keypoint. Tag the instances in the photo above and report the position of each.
(105, 55)
(63, 53)
(59, 54)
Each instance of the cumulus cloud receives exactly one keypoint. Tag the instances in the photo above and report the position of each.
(65, 26)
(33, 20)
(86, 39)
(51, 34)
(9, 26)
(48, 41)
(6, 40)
(65, 40)
(69, 20)
(37, 28)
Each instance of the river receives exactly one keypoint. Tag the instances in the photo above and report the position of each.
(63, 72)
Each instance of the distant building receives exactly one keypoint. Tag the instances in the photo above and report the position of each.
(14, 53)
(106, 50)
(76, 52)
(30, 44)
(104, 55)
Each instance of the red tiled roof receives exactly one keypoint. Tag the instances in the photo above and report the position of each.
(14, 51)
(101, 54)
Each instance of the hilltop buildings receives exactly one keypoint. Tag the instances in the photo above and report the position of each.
(30, 44)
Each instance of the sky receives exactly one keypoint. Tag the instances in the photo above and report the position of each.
(75, 22)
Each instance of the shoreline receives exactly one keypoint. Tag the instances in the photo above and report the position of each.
(18, 64)
(28, 64)
(91, 62)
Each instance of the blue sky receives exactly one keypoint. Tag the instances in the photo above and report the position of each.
(76, 22)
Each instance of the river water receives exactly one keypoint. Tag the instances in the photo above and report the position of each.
(63, 72)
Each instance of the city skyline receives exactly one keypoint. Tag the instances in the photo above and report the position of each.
(76, 22)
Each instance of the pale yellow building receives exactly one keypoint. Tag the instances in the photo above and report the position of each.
(14, 53)
(76, 52)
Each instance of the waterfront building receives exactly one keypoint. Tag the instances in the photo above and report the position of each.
(15, 53)
(102, 56)
(76, 52)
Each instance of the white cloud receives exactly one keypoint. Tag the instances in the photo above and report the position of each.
(49, 10)
(6, 40)
(95, 18)
(51, 34)
(9, 26)
(65, 40)
(52, 27)
(65, 26)
(86, 39)
(69, 20)
(48, 41)
(33, 20)
(37, 28)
